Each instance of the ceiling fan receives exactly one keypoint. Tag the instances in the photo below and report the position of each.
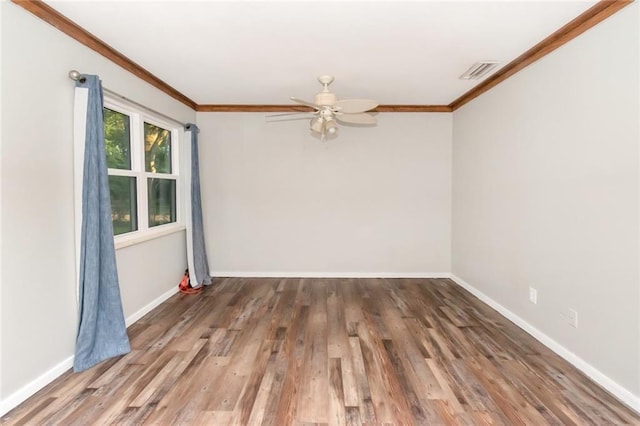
(328, 110)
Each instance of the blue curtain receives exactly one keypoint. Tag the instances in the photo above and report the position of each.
(102, 333)
(196, 251)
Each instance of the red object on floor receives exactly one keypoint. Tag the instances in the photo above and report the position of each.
(185, 285)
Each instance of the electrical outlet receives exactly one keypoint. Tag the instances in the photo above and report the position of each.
(572, 318)
(533, 295)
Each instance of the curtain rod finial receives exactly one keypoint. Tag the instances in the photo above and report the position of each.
(74, 75)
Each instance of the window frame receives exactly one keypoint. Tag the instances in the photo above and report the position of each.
(138, 117)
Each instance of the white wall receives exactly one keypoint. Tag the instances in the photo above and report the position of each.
(545, 194)
(148, 271)
(38, 312)
(372, 201)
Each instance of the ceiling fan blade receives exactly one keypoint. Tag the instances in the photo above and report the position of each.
(277, 120)
(353, 106)
(300, 101)
(290, 113)
(361, 118)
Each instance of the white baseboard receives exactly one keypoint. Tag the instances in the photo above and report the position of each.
(260, 274)
(596, 375)
(150, 306)
(34, 386)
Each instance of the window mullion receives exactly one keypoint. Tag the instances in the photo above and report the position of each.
(176, 170)
(160, 175)
(143, 209)
(121, 172)
(143, 215)
(175, 149)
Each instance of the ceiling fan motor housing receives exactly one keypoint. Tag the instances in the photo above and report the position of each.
(326, 99)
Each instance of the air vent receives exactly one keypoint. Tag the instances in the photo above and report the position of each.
(478, 70)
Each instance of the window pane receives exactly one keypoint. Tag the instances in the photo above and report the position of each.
(157, 149)
(123, 204)
(117, 139)
(162, 201)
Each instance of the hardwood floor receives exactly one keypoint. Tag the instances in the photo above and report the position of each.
(327, 351)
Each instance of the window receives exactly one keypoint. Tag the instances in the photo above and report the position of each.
(144, 180)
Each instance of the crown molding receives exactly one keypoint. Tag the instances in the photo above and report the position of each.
(251, 108)
(73, 30)
(297, 108)
(591, 17)
(412, 108)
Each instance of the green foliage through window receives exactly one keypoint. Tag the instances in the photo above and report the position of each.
(162, 201)
(117, 139)
(157, 149)
(124, 213)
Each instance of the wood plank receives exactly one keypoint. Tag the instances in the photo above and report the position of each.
(515, 408)
(365, 404)
(336, 413)
(261, 399)
(313, 401)
(293, 346)
(388, 400)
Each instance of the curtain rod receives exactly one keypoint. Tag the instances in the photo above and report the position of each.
(77, 76)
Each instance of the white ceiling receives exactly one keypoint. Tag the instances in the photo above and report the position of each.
(262, 52)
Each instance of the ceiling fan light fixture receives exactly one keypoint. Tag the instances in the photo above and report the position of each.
(316, 125)
(478, 70)
(331, 127)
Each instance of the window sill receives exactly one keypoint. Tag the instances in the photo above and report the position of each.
(130, 240)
